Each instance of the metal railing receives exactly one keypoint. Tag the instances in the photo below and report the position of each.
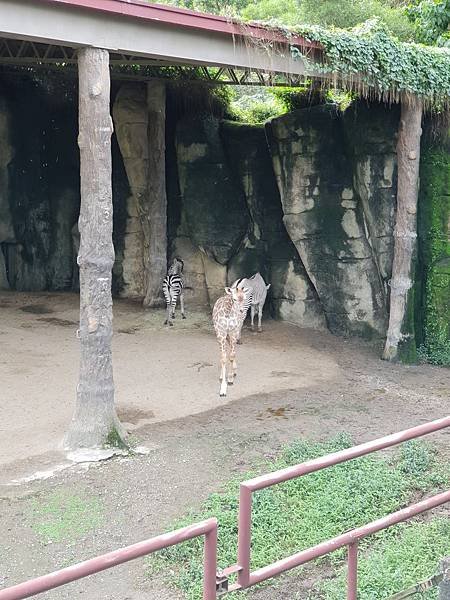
(206, 528)
(246, 578)
(217, 583)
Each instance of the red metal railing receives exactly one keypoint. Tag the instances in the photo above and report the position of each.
(208, 529)
(351, 538)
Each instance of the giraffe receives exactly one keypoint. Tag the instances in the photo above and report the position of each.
(228, 314)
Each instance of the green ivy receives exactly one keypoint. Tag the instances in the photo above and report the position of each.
(371, 61)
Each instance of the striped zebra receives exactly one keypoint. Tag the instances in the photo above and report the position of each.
(172, 287)
(256, 297)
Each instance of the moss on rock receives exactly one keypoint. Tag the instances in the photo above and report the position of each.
(433, 315)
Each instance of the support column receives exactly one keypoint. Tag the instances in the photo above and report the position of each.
(405, 233)
(95, 417)
(154, 214)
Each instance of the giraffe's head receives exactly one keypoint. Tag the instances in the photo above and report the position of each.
(239, 297)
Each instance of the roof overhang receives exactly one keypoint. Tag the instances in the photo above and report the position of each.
(163, 33)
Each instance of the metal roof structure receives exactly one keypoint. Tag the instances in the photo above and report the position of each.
(145, 38)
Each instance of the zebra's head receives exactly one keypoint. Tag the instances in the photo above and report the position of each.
(239, 296)
(177, 265)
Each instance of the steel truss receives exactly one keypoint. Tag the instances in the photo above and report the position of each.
(23, 53)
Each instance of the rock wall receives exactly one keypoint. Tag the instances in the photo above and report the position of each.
(309, 201)
(6, 155)
(39, 185)
(39, 195)
(130, 116)
(331, 210)
(370, 134)
(213, 203)
(267, 247)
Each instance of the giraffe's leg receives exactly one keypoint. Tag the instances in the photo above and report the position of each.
(260, 310)
(252, 308)
(239, 341)
(223, 366)
(183, 315)
(232, 358)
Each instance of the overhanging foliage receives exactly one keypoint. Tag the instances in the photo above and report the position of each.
(369, 60)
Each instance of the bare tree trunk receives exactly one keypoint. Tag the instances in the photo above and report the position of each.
(154, 214)
(405, 234)
(444, 586)
(95, 417)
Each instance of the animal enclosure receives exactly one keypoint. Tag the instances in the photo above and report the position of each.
(308, 200)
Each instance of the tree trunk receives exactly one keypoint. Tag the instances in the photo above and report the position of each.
(95, 417)
(405, 233)
(154, 213)
(444, 586)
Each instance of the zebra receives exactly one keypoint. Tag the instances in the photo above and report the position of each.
(256, 297)
(172, 287)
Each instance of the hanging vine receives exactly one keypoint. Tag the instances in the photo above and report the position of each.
(369, 60)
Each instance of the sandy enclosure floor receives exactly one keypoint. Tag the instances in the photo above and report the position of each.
(160, 373)
(291, 384)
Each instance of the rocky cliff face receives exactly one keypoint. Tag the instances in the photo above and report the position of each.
(309, 201)
(267, 246)
(6, 155)
(130, 116)
(331, 212)
(39, 198)
(39, 185)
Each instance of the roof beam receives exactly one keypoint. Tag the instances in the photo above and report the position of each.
(204, 40)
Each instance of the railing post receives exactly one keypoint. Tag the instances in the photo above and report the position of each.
(244, 538)
(444, 586)
(210, 564)
(352, 575)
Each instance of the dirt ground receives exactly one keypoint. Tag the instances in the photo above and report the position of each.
(291, 383)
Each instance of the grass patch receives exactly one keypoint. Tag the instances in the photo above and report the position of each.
(63, 516)
(306, 511)
(394, 564)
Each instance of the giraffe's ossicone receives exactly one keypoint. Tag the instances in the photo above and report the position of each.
(228, 315)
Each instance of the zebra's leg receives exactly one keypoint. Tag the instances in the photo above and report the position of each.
(173, 302)
(168, 320)
(166, 293)
(260, 310)
(223, 365)
(172, 308)
(252, 309)
(183, 315)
